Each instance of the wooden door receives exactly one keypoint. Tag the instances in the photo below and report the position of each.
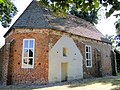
(64, 72)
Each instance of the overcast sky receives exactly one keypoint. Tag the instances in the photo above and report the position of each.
(104, 26)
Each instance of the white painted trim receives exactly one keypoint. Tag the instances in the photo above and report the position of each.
(90, 56)
(28, 48)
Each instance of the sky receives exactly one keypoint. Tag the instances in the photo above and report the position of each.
(105, 26)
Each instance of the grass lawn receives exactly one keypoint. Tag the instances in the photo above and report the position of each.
(104, 83)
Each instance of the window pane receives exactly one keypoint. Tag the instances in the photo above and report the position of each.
(30, 63)
(89, 57)
(25, 61)
(26, 44)
(86, 49)
(86, 55)
(30, 52)
(89, 62)
(31, 44)
(89, 50)
(25, 53)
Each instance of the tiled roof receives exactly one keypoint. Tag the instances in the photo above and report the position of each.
(36, 16)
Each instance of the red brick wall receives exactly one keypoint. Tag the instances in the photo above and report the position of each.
(5, 63)
(1, 62)
(40, 71)
(105, 50)
(105, 59)
(6, 58)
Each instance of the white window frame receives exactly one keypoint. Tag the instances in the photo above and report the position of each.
(89, 55)
(27, 66)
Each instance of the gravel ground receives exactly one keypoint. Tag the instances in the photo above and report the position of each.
(84, 84)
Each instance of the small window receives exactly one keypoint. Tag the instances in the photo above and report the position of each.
(88, 56)
(65, 52)
(28, 53)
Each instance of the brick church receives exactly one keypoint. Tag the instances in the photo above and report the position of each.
(43, 48)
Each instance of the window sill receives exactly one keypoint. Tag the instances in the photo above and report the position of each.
(27, 67)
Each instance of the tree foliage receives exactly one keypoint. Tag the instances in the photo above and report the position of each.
(117, 26)
(112, 40)
(87, 9)
(7, 11)
(60, 7)
(91, 16)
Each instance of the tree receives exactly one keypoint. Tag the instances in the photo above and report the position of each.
(112, 40)
(117, 26)
(91, 16)
(60, 7)
(7, 12)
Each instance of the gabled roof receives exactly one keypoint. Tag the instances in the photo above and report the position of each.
(36, 16)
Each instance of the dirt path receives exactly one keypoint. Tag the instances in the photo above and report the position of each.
(97, 86)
